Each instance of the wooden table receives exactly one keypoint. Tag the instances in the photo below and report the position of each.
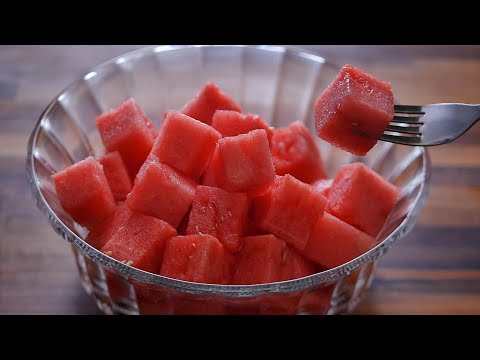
(435, 270)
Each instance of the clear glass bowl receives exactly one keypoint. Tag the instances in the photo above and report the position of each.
(278, 83)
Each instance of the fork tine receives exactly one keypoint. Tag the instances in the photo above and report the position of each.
(408, 119)
(411, 109)
(406, 140)
(404, 129)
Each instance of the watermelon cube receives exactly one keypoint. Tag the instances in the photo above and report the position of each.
(260, 260)
(162, 192)
(334, 242)
(117, 175)
(295, 266)
(289, 209)
(140, 242)
(295, 152)
(242, 163)
(219, 213)
(316, 301)
(84, 193)
(128, 130)
(105, 229)
(185, 144)
(207, 101)
(232, 123)
(354, 110)
(323, 186)
(197, 258)
(362, 198)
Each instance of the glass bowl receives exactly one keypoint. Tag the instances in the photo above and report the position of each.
(278, 83)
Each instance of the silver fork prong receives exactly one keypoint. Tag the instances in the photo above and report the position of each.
(405, 140)
(404, 129)
(408, 119)
(411, 109)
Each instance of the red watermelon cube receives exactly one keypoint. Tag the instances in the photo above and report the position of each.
(242, 163)
(260, 260)
(207, 101)
(117, 175)
(334, 242)
(105, 229)
(295, 266)
(84, 193)
(162, 192)
(323, 186)
(289, 209)
(197, 258)
(232, 123)
(128, 130)
(362, 198)
(219, 213)
(354, 110)
(185, 144)
(295, 152)
(140, 242)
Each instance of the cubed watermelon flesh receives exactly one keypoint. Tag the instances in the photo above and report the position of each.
(323, 186)
(362, 198)
(260, 260)
(84, 192)
(295, 266)
(333, 242)
(289, 209)
(128, 130)
(197, 258)
(242, 163)
(232, 123)
(354, 110)
(105, 229)
(185, 144)
(295, 152)
(219, 213)
(207, 101)
(117, 175)
(162, 192)
(140, 242)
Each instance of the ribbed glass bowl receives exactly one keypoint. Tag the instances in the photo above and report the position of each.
(278, 83)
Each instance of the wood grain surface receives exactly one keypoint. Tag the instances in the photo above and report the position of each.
(434, 270)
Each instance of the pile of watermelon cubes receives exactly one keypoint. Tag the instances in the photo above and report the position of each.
(218, 196)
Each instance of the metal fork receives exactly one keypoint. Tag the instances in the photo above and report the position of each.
(427, 125)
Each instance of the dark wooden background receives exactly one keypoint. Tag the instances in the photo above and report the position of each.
(435, 270)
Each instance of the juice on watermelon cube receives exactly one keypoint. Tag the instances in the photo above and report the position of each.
(295, 152)
(242, 163)
(105, 229)
(84, 193)
(128, 130)
(362, 198)
(289, 209)
(219, 213)
(232, 123)
(334, 242)
(140, 243)
(323, 186)
(185, 144)
(207, 101)
(260, 260)
(197, 258)
(117, 175)
(162, 192)
(354, 110)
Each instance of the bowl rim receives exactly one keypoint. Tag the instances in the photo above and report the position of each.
(322, 278)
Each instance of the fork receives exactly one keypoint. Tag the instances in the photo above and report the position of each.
(427, 125)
